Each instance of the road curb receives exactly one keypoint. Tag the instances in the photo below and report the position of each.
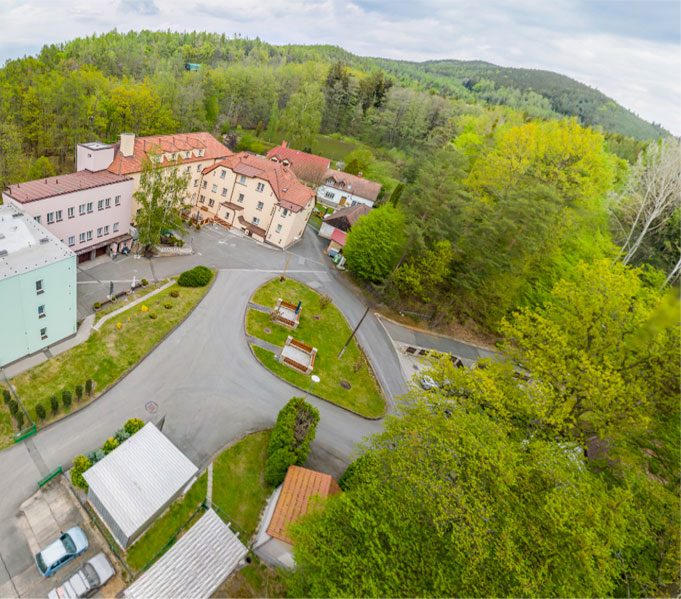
(134, 366)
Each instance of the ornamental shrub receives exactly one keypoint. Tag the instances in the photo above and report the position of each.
(133, 425)
(145, 282)
(88, 386)
(13, 407)
(110, 445)
(174, 293)
(291, 438)
(79, 392)
(121, 435)
(96, 455)
(97, 305)
(152, 315)
(199, 276)
(277, 465)
(167, 305)
(54, 404)
(66, 398)
(40, 412)
(6, 396)
(80, 465)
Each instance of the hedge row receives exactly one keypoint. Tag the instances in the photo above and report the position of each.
(291, 438)
(199, 276)
(82, 463)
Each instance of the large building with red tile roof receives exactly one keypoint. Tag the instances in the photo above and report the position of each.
(307, 167)
(189, 152)
(292, 500)
(262, 198)
(340, 189)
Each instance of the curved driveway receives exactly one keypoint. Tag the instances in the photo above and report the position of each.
(203, 377)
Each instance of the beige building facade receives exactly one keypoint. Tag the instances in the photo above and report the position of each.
(263, 199)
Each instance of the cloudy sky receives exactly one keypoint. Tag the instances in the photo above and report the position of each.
(628, 49)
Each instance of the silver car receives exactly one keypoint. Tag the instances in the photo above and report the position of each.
(91, 576)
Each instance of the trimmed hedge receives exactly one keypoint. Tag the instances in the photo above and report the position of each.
(290, 439)
(199, 276)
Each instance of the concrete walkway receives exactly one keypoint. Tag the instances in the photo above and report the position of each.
(131, 304)
(275, 349)
(260, 308)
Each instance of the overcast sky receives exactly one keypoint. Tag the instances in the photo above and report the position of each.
(628, 49)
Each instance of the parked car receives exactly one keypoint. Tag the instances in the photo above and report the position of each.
(92, 575)
(71, 544)
(427, 383)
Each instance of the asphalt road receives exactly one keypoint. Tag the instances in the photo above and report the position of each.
(203, 377)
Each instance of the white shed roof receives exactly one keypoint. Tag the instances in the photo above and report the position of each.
(194, 566)
(139, 477)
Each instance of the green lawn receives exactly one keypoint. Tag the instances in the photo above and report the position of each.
(239, 488)
(106, 356)
(323, 145)
(167, 525)
(328, 335)
(122, 302)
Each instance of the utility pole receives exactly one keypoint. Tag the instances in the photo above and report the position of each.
(340, 355)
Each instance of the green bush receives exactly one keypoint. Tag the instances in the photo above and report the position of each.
(40, 412)
(110, 445)
(54, 404)
(88, 386)
(198, 276)
(19, 417)
(79, 392)
(133, 425)
(152, 316)
(145, 282)
(13, 407)
(80, 465)
(291, 438)
(122, 435)
(96, 455)
(174, 293)
(6, 395)
(97, 305)
(66, 398)
(167, 305)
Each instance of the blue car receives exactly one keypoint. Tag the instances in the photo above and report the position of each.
(71, 544)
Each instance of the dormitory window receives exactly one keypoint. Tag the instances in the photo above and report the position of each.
(278, 228)
(41, 311)
(117, 200)
(50, 217)
(242, 179)
(202, 199)
(99, 231)
(260, 205)
(37, 219)
(211, 202)
(240, 198)
(223, 173)
(198, 168)
(39, 287)
(256, 220)
(204, 184)
(215, 188)
(70, 212)
(100, 205)
(196, 182)
(107, 202)
(106, 229)
(260, 187)
(81, 238)
(284, 213)
(186, 155)
(89, 207)
(72, 240)
(81, 209)
(329, 194)
(89, 235)
(115, 227)
(57, 215)
(224, 192)
(43, 333)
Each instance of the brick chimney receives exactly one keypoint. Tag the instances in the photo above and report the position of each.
(127, 144)
(284, 144)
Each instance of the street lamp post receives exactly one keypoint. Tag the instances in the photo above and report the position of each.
(313, 379)
(290, 253)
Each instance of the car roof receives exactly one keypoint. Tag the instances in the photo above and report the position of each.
(53, 552)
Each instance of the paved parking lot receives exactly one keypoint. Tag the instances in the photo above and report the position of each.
(42, 518)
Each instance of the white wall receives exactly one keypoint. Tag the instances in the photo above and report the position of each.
(336, 196)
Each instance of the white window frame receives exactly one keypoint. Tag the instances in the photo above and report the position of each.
(115, 227)
(260, 206)
(88, 235)
(70, 212)
(260, 187)
(72, 240)
(50, 218)
(214, 189)
(279, 228)
(81, 237)
(117, 201)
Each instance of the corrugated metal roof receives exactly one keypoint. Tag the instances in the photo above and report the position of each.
(195, 566)
(139, 477)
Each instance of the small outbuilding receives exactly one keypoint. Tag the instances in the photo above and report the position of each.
(195, 566)
(289, 502)
(137, 481)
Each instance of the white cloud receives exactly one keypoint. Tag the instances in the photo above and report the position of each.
(642, 73)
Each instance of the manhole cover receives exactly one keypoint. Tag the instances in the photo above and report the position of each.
(316, 317)
(267, 330)
(345, 385)
(151, 407)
